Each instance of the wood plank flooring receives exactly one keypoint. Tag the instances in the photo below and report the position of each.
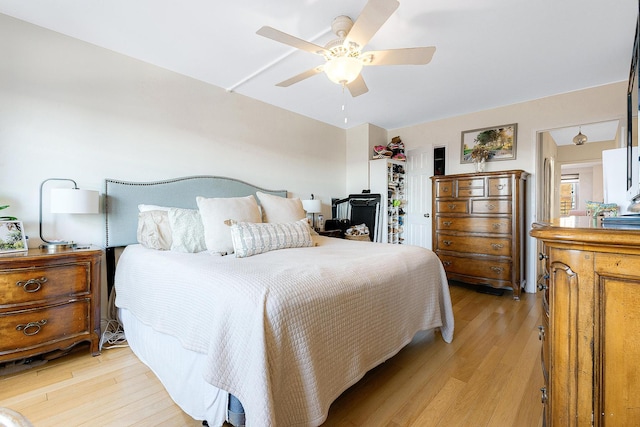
(488, 376)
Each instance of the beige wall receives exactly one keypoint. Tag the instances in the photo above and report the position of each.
(73, 110)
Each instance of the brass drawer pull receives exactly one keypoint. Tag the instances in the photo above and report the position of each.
(491, 206)
(31, 328)
(447, 223)
(446, 263)
(447, 242)
(452, 206)
(541, 333)
(497, 245)
(500, 186)
(32, 285)
(497, 269)
(497, 225)
(445, 188)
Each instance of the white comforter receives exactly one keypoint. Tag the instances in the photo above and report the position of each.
(288, 331)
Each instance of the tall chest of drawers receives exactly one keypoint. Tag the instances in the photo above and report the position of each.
(479, 227)
(49, 302)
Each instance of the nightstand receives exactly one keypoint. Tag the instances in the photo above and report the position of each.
(49, 302)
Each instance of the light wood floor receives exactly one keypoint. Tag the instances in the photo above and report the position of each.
(488, 376)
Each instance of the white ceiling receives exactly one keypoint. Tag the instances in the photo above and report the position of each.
(489, 53)
(595, 132)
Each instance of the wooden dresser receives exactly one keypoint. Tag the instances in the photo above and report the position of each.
(478, 227)
(49, 302)
(591, 323)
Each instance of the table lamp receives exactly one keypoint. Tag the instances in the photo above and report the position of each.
(312, 206)
(68, 200)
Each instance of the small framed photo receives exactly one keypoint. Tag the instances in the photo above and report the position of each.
(12, 238)
(499, 141)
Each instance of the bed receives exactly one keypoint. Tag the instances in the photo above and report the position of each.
(283, 332)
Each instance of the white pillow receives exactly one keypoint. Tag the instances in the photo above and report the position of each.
(145, 208)
(256, 238)
(215, 211)
(280, 209)
(187, 231)
(154, 231)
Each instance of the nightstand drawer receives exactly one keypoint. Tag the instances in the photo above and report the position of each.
(33, 328)
(25, 285)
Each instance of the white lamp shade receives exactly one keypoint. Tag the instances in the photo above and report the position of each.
(74, 200)
(312, 206)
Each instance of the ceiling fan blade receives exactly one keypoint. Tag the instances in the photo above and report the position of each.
(407, 56)
(298, 78)
(358, 86)
(374, 14)
(288, 39)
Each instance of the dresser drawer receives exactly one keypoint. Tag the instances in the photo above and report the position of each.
(471, 187)
(32, 328)
(477, 267)
(444, 188)
(500, 186)
(491, 206)
(499, 246)
(24, 285)
(452, 206)
(500, 225)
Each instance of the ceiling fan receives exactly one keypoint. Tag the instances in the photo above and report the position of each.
(344, 58)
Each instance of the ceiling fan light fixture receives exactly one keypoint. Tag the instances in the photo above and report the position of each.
(343, 69)
(580, 138)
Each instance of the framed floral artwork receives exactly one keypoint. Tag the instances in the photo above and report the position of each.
(493, 143)
(12, 237)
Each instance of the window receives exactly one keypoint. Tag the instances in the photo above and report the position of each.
(569, 184)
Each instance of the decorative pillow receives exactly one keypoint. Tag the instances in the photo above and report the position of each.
(187, 231)
(252, 239)
(154, 231)
(145, 208)
(280, 209)
(215, 211)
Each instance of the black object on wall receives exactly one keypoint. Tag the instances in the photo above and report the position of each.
(439, 161)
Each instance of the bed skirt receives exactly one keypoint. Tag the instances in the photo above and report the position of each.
(183, 378)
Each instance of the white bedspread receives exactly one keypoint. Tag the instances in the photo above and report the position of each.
(288, 331)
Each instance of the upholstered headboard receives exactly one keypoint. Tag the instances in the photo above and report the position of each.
(123, 197)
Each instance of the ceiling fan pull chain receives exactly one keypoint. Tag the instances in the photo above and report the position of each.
(344, 103)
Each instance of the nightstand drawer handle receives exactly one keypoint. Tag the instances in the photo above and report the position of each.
(497, 225)
(497, 245)
(452, 206)
(446, 263)
(497, 269)
(447, 242)
(32, 285)
(500, 186)
(31, 328)
(491, 206)
(447, 223)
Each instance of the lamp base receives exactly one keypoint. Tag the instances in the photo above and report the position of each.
(58, 246)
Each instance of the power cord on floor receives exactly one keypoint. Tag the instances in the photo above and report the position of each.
(113, 335)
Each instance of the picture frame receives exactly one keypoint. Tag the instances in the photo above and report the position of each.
(12, 237)
(499, 140)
